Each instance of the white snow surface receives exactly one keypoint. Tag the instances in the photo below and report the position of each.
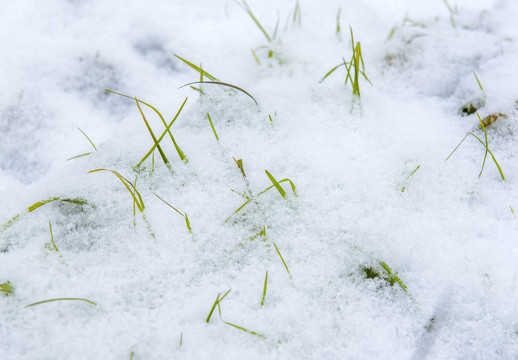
(451, 235)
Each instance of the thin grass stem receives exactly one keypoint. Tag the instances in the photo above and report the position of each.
(60, 299)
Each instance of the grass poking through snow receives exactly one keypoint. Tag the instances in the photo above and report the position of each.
(222, 84)
(264, 288)
(60, 299)
(486, 145)
(6, 288)
(184, 215)
(77, 201)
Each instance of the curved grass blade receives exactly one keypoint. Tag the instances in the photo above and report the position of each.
(129, 186)
(281, 181)
(60, 299)
(157, 145)
(86, 136)
(223, 84)
(180, 152)
(77, 201)
(52, 238)
(197, 68)
(276, 184)
(164, 133)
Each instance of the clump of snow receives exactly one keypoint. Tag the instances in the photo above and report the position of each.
(372, 183)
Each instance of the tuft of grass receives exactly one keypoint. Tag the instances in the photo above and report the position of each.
(282, 259)
(77, 201)
(390, 277)
(216, 303)
(264, 288)
(184, 215)
(222, 84)
(7, 288)
(485, 144)
(60, 299)
(212, 126)
(356, 65)
(167, 130)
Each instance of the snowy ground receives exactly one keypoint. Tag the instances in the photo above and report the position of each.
(450, 235)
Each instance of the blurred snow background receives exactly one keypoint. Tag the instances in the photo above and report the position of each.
(451, 235)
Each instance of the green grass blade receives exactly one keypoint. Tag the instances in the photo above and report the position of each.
(251, 14)
(197, 68)
(86, 136)
(332, 70)
(255, 57)
(490, 153)
(166, 131)
(286, 266)
(41, 203)
(486, 144)
(213, 308)
(264, 289)
(223, 84)
(281, 181)
(33, 207)
(180, 153)
(246, 330)
(238, 209)
(181, 214)
(276, 184)
(478, 81)
(52, 238)
(212, 126)
(392, 277)
(129, 186)
(338, 29)
(157, 145)
(464, 138)
(216, 303)
(78, 156)
(60, 299)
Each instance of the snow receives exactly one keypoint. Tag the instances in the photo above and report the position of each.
(450, 235)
